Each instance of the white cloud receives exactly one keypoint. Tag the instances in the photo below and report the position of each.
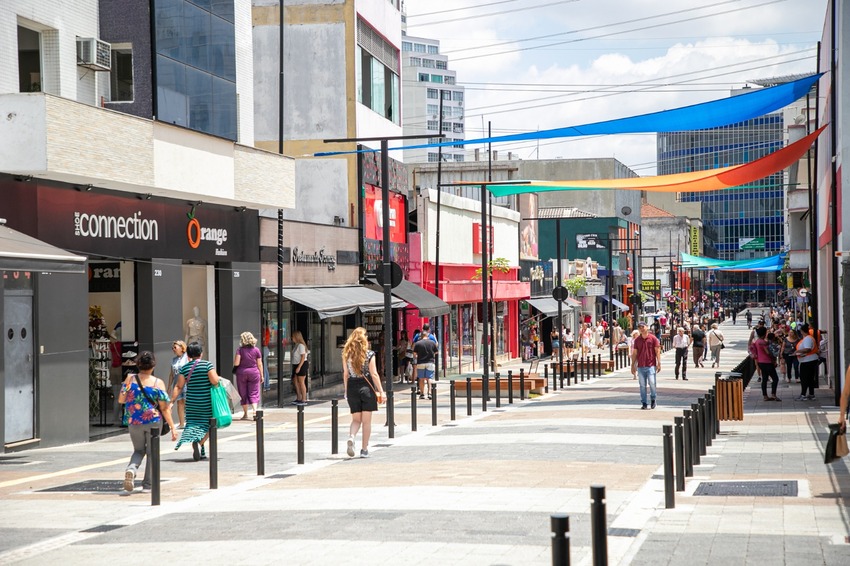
(719, 53)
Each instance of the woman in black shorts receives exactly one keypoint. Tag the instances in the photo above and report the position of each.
(362, 386)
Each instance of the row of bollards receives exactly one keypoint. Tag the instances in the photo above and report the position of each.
(560, 526)
(694, 432)
(573, 371)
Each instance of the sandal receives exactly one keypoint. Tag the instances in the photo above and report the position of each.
(775, 399)
(245, 418)
(766, 398)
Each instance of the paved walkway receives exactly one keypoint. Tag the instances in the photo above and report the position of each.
(478, 490)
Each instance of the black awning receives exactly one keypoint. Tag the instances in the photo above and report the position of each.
(329, 302)
(549, 306)
(428, 304)
(19, 252)
(615, 302)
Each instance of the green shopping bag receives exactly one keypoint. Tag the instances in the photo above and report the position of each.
(220, 406)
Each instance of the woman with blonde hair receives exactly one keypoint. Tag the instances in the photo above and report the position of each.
(248, 367)
(300, 365)
(362, 386)
(178, 361)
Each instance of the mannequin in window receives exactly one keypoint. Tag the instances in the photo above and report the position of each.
(196, 328)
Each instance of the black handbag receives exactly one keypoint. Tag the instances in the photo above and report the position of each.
(836, 444)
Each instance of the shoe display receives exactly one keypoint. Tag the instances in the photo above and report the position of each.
(129, 479)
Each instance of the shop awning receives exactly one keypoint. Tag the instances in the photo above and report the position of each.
(337, 301)
(618, 304)
(549, 306)
(19, 252)
(428, 304)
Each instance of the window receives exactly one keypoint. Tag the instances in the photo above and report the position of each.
(424, 77)
(447, 126)
(447, 95)
(457, 128)
(432, 109)
(457, 96)
(450, 80)
(441, 65)
(434, 140)
(29, 60)
(458, 157)
(436, 78)
(195, 46)
(433, 157)
(419, 47)
(433, 49)
(432, 93)
(428, 63)
(121, 75)
(406, 46)
(415, 62)
(432, 125)
(377, 73)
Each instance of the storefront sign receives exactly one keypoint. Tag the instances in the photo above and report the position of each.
(589, 242)
(694, 240)
(374, 216)
(649, 285)
(320, 257)
(124, 226)
(104, 277)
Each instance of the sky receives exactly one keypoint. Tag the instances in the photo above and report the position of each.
(541, 64)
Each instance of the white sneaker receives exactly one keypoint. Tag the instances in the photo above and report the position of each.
(350, 450)
(129, 479)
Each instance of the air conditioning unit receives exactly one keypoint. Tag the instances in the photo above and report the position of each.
(94, 54)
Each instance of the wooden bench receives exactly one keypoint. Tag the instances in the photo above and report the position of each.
(533, 384)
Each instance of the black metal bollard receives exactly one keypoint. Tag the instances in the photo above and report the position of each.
(712, 412)
(669, 492)
(485, 392)
(522, 384)
(468, 396)
(433, 404)
(555, 372)
(689, 447)
(261, 445)
(695, 426)
(706, 403)
(679, 452)
(560, 525)
(715, 415)
(334, 426)
(598, 528)
(155, 466)
(570, 366)
(452, 399)
(300, 434)
(701, 427)
(580, 370)
(413, 409)
(510, 387)
(598, 365)
(499, 390)
(545, 379)
(213, 453)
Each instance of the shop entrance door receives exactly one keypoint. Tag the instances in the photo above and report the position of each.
(20, 377)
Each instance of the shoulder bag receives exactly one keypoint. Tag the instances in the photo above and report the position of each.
(165, 428)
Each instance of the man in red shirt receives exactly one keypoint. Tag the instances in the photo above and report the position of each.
(646, 362)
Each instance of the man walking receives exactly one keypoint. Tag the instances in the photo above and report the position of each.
(424, 353)
(646, 362)
(698, 336)
(681, 343)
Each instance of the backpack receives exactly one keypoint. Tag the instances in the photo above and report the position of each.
(774, 349)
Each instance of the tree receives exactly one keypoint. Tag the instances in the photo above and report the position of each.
(575, 285)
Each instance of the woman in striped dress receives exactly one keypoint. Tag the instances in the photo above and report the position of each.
(198, 376)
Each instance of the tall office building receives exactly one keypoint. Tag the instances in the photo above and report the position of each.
(740, 223)
(425, 79)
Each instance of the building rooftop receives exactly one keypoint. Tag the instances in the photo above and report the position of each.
(652, 211)
(562, 212)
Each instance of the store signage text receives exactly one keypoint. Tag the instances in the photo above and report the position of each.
(121, 227)
(319, 257)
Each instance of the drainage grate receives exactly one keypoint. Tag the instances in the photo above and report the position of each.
(279, 476)
(782, 488)
(92, 486)
(103, 528)
(623, 532)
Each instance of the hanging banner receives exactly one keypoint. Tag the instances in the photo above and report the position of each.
(694, 240)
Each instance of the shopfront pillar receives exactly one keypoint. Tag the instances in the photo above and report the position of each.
(159, 306)
(238, 302)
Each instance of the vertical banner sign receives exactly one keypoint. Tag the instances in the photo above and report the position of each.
(694, 240)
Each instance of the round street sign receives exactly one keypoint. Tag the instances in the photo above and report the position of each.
(559, 293)
(803, 292)
(396, 275)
